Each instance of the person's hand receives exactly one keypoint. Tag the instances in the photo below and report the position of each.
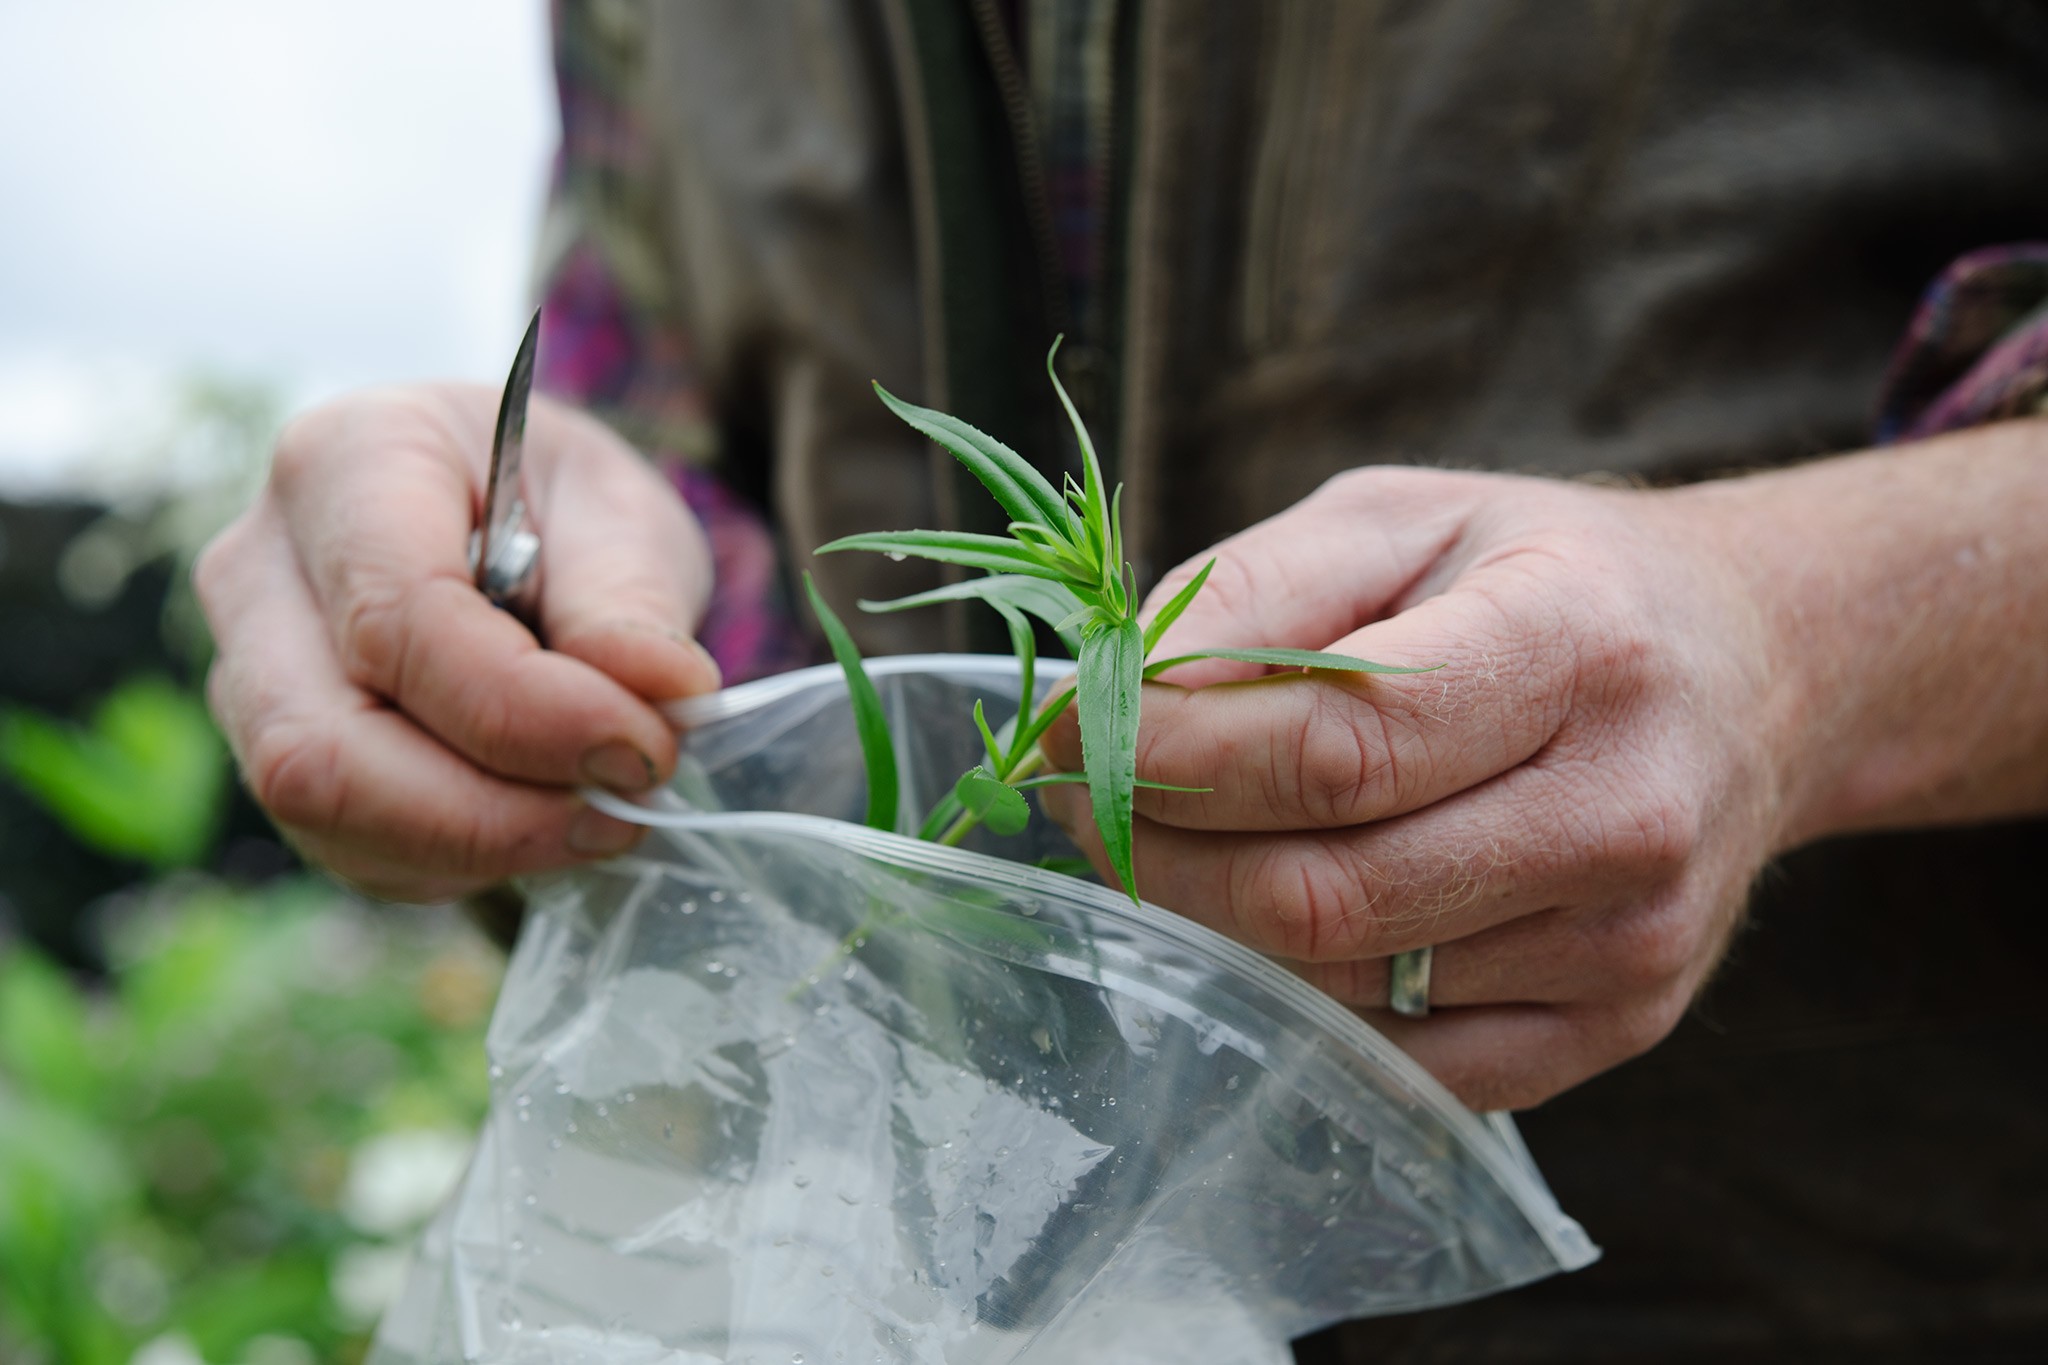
(1570, 810)
(401, 730)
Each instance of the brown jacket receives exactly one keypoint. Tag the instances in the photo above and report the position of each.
(1656, 239)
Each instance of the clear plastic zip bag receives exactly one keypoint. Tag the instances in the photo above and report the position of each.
(783, 1089)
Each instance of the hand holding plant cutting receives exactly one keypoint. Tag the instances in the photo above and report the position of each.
(1570, 811)
(1063, 563)
(1646, 695)
(1573, 807)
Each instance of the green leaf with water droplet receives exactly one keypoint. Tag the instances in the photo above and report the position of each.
(994, 802)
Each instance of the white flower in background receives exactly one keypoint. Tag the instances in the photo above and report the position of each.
(365, 1280)
(397, 1180)
(277, 1350)
(170, 1349)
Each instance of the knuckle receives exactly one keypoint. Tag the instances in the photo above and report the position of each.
(298, 773)
(1181, 754)
(1635, 1028)
(477, 843)
(1661, 832)
(491, 725)
(1353, 760)
(1308, 908)
(472, 845)
(1230, 592)
(375, 636)
(1620, 659)
(1645, 950)
(1336, 756)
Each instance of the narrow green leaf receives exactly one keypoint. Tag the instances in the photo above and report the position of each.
(1116, 543)
(1024, 492)
(1050, 602)
(869, 720)
(1055, 779)
(1024, 646)
(1286, 658)
(1079, 618)
(988, 738)
(997, 554)
(1041, 722)
(996, 803)
(1171, 612)
(1094, 497)
(1067, 866)
(1054, 550)
(1110, 685)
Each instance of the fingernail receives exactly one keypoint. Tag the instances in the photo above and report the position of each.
(618, 767)
(711, 667)
(690, 642)
(599, 835)
(705, 674)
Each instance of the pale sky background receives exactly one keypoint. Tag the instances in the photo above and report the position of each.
(314, 193)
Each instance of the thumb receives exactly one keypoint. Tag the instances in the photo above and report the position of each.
(625, 570)
(1340, 559)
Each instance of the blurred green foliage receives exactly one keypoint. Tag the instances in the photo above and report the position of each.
(145, 779)
(219, 1152)
(227, 1146)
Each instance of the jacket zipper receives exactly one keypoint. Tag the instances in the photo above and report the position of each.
(1016, 100)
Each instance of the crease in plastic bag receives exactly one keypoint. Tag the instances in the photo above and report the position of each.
(783, 1089)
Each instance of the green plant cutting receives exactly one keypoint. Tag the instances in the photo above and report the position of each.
(1061, 563)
